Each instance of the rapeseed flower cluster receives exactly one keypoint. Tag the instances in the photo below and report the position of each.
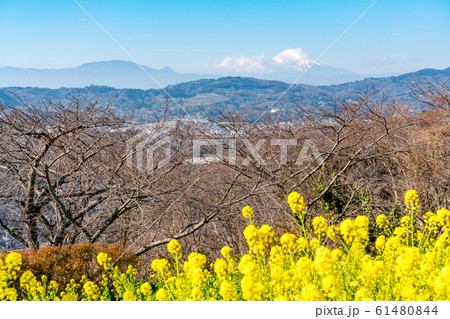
(296, 203)
(8, 274)
(247, 212)
(350, 260)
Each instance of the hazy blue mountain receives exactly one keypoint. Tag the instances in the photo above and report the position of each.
(125, 74)
(208, 96)
(118, 74)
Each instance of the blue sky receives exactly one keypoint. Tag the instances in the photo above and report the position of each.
(195, 36)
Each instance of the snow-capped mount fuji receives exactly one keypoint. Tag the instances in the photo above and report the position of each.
(288, 66)
(294, 65)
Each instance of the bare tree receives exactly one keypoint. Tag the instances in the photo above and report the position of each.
(321, 150)
(77, 172)
(435, 95)
(64, 177)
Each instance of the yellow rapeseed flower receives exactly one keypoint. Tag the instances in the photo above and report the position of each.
(247, 212)
(296, 203)
(412, 199)
(129, 296)
(161, 295)
(331, 232)
(288, 240)
(103, 259)
(173, 247)
(380, 242)
(382, 221)
(226, 252)
(160, 265)
(320, 226)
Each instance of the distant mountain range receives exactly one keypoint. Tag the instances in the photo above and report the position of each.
(208, 96)
(126, 74)
(117, 74)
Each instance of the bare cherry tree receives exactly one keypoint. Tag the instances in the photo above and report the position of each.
(64, 177)
(320, 151)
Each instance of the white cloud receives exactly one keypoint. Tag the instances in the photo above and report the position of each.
(242, 63)
(295, 59)
(384, 61)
